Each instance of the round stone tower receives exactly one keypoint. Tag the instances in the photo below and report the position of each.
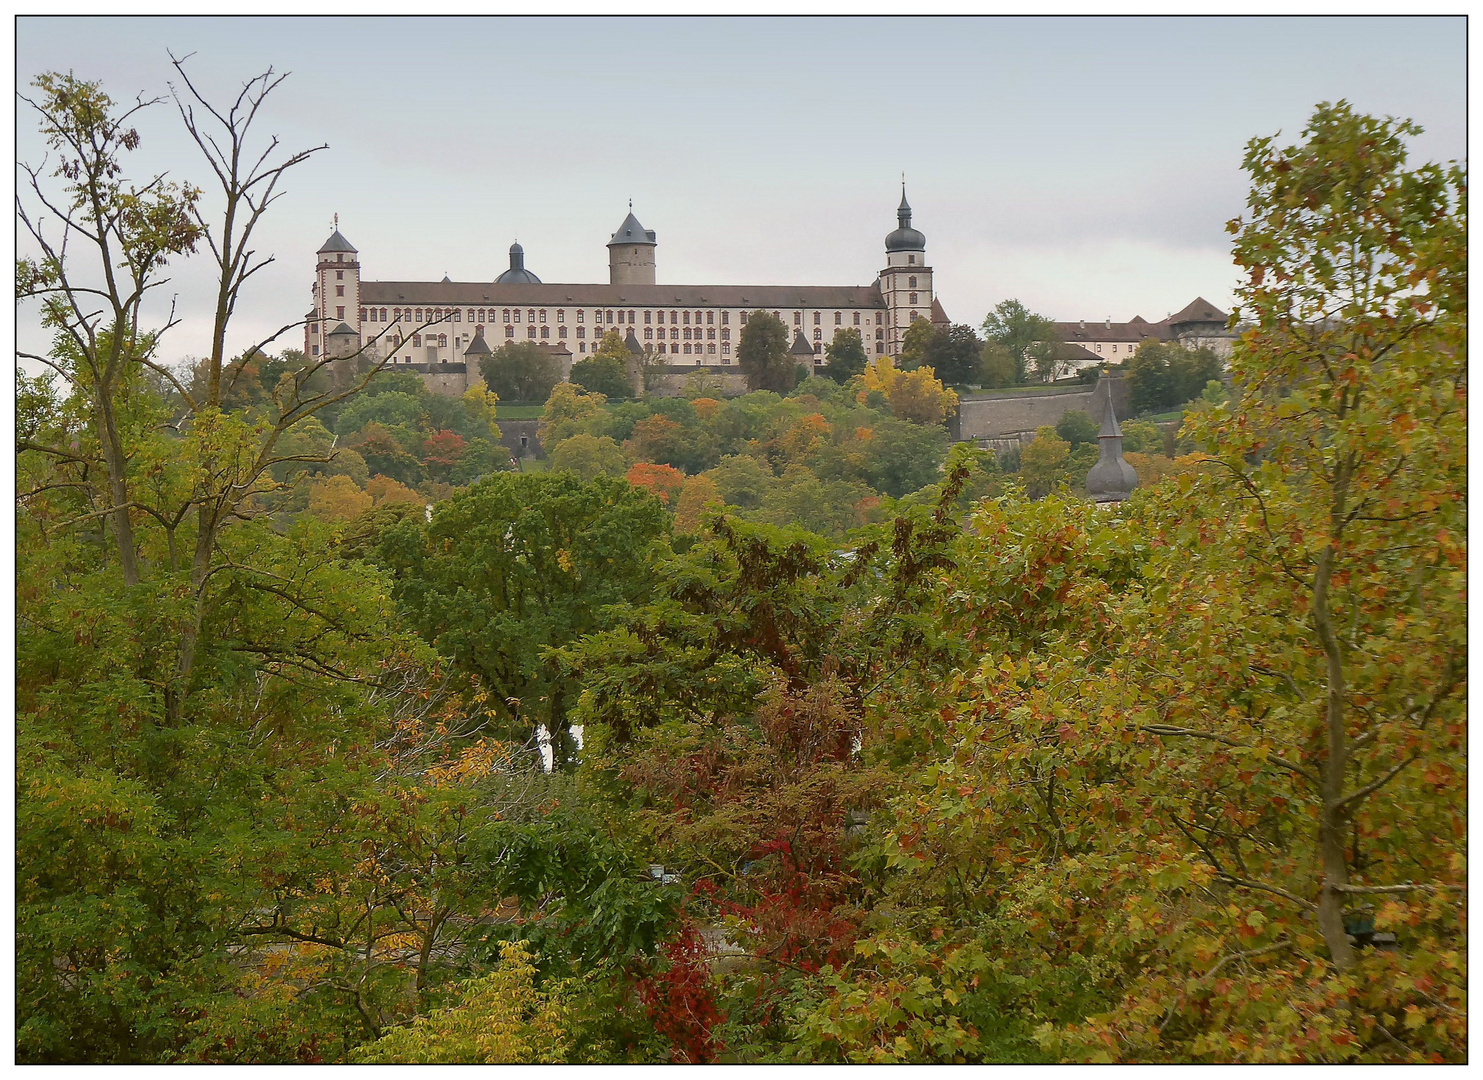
(631, 253)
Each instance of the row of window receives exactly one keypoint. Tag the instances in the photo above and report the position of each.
(513, 315)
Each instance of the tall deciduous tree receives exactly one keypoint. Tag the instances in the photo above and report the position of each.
(844, 356)
(1029, 338)
(520, 371)
(762, 354)
(1349, 441)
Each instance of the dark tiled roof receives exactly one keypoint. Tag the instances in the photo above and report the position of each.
(1198, 310)
(939, 316)
(342, 329)
(478, 347)
(1066, 350)
(631, 232)
(801, 347)
(1134, 331)
(336, 242)
(748, 297)
(631, 343)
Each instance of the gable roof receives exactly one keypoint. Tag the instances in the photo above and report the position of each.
(745, 297)
(1198, 310)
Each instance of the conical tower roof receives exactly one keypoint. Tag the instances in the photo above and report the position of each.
(336, 242)
(478, 347)
(800, 346)
(1111, 479)
(631, 232)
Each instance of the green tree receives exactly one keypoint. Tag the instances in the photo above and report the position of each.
(1077, 428)
(520, 371)
(1043, 460)
(997, 366)
(1164, 375)
(954, 353)
(762, 354)
(589, 456)
(1029, 338)
(519, 563)
(844, 356)
(741, 480)
(604, 375)
(916, 344)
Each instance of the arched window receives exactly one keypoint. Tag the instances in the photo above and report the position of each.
(911, 298)
(509, 331)
(581, 332)
(818, 336)
(687, 348)
(560, 315)
(610, 317)
(725, 333)
(579, 315)
(710, 349)
(913, 316)
(838, 317)
(725, 318)
(818, 349)
(725, 350)
(442, 341)
(507, 314)
(674, 317)
(744, 318)
(674, 333)
(419, 314)
(545, 331)
(363, 315)
(543, 314)
(648, 333)
(911, 283)
(710, 317)
(517, 316)
(798, 318)
(383, 314)
(531, 315)
(530, 332)
(817, 316)
(458, 315)
(687, 321)
(561, 332)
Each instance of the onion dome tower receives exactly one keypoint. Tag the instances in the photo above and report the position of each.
(906, 282)
(517, 274)
(631, 253)
(1111, 479)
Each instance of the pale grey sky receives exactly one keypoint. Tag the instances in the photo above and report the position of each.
(1086, 166)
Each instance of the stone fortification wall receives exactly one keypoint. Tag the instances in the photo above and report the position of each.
(519, 437)
(1005, 415)
(680, 381)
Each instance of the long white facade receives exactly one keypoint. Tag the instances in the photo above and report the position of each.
(682, 325)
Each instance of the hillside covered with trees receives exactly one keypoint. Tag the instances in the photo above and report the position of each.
(860, 751)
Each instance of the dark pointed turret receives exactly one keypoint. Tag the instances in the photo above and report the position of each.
(478, 347)
(905, 238)
(800, 346)
(1111, 479)
(631, 253)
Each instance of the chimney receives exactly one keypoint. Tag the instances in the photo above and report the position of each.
(1109, 322)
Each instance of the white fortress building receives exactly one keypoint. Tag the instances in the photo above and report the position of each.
(433, 324)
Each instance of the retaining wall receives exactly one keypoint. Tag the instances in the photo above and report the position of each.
(1006, 415)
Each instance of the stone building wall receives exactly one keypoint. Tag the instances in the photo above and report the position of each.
(1008, 414)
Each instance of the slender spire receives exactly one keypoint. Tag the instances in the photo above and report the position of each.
(1111, 479)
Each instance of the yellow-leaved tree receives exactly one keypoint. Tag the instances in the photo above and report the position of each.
(918, 396)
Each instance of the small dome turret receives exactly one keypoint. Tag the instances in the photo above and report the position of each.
(517, 274)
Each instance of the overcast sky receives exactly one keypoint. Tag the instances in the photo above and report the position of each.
(1086, 166)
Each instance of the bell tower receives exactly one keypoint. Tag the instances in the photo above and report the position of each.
(336, 292)
(906, 282)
